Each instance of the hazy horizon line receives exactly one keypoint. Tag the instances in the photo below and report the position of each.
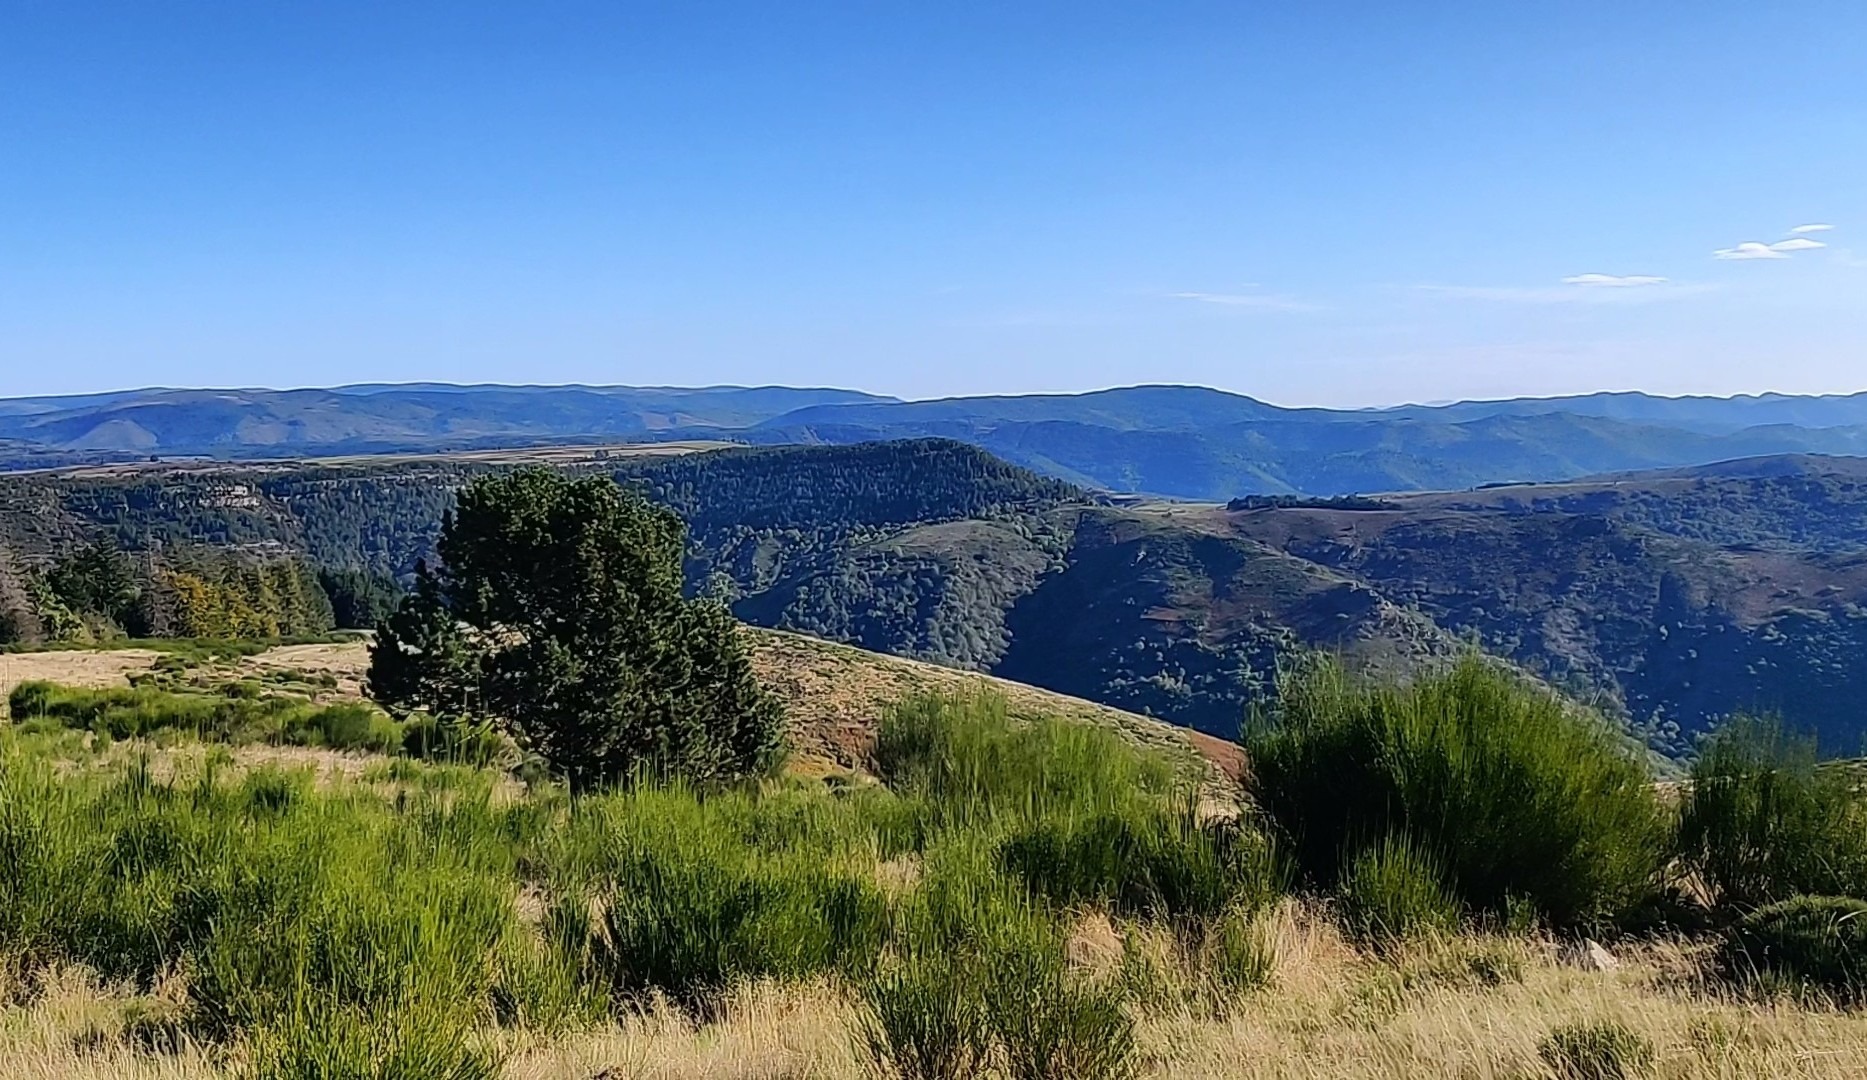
(882, 398)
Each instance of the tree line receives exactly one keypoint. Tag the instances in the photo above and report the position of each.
(100, 592)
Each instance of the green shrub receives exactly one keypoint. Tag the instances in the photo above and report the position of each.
(690, 907)
(1154, 861)
(970, 764)
(1807, 944)
(1084, 817)
(1053, 1026)
(1048, 1022)
(345, 938)
(1006, 959)
(1517, 794)
(1600, 1051)
(460, 742)
(1761, 822)
(362, 1046)
(1391, 891)
(924, 1017)
(346, 727)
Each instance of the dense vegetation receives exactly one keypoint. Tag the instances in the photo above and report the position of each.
(557, 611)
(353, 933)
(1466, 784)
(375, 927)
(98, 593)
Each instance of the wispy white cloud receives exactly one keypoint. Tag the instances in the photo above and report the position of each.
(1261, 301)
(1580, 289)
(1799, 240)
(1613, 281)
(1749, 249)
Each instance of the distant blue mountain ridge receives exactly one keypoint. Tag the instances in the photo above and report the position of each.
(1180, 441)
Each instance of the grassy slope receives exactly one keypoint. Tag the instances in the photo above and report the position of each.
(835, 694)
(1468, 1007)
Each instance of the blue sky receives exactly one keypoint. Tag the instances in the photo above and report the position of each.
(1318, 203)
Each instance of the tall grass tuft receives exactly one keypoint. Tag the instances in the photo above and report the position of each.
(131, 712)
(1160, 862)
(1806, 945)
(970, 764)
(1761, 822)
(1516, 794)
(979, 973)
(1054, 1025)
(1079, 816)
(1605, 1050)
(924, 1017)
(688, 906)
(1391, 891)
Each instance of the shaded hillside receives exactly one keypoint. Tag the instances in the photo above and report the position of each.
(1672, 598)
(938, 592)
(1157, 612)
(1320, 455)
(1677, 599)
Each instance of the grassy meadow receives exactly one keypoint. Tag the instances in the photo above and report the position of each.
(264, 878)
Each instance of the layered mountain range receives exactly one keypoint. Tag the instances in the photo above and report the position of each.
(1186, 442)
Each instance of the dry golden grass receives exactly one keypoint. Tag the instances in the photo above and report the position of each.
(1465, 1009)
(770, 1033)
(1479, 1008)
(70, 1027)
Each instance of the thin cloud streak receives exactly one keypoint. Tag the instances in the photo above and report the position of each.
(1613, 281)
(1572, 292)
(1260, 301)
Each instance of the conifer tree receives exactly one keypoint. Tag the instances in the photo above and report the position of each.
(557, 611)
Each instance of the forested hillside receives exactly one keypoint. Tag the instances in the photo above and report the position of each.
(1670, 598)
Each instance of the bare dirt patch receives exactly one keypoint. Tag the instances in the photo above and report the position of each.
(347, 662)
(76, 667)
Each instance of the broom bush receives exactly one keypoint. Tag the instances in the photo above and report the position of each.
(1521, 798)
